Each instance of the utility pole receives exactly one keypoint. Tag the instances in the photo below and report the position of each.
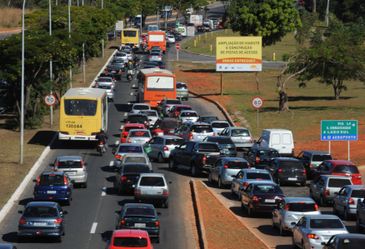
(327, 12)
(83, 62)
(69, 35)
(22, 94)
(50, 61)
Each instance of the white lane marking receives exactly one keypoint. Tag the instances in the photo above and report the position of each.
(133, 85)
(93, 227)
(125, 114)
(103, 191)
(131, 94)
(111, 163)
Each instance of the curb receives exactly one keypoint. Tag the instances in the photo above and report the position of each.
(216, 103)
(20, 189)
(235, 216)
(203, 242)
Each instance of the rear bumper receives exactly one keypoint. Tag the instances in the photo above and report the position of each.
(78, 179)
(40, 232)
(51, 198)
(63, 136)
(286, 179)
(150, 198)
(264, 208)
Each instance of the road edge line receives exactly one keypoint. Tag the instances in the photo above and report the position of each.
(234, 215)
(203, 242)
(217, 104)
(20, 189)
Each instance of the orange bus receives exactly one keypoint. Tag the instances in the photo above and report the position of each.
(156, 39)
(156, 84)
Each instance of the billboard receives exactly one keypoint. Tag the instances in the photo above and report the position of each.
(239, 54)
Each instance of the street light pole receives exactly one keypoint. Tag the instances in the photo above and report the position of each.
(327, 12)
(102, 4)
(50, 61)
(22, 94)
(83, 62)
(69, 35)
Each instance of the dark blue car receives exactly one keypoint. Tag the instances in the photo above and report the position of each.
(53, 186)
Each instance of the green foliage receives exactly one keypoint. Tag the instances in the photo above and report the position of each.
(304, 32)
(349, 10)
(271, 19)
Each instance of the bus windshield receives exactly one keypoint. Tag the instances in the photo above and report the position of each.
(80, 107)
(129, 33)
(160, 82)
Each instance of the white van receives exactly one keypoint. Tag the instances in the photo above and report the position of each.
(279, 139)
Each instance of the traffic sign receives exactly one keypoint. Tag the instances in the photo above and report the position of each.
(257, 102)
(50, 99)
(339, 130)
(177, 45)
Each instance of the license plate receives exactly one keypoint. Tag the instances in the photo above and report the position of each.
(39, 224)
(292, 178)
(140, 225)
(270, 200)
(51, 192)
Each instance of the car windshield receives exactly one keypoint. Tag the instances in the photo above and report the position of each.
(139, 211)
(69, 164)
(220, 125)
(325, 224)
(321, 158)
(358, 193)
(140, 133)
(346, 169)
(174, 141)
(291, 164)
(141, 107)
(130, 242)
(258, 176)
(338, 183)
(130, 149)
(351, 243)
(137, 119)
(208, 148)
(54, 180)
(266, 189)
(152, 181)
(135, 159)
(201, 128)
(133, 168)
(173, 102)
(236, 165)
(105, 79)
(301, 207)
(240, 133)
(188, 114)
(45, 212)
(155, 53)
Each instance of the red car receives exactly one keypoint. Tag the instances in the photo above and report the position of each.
(126, 128)
(339, 167)
(130, 239)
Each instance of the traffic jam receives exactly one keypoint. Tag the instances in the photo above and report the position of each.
(162, 127)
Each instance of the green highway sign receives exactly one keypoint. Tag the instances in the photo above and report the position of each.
(339, 130)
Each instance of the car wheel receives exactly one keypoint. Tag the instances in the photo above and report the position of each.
(157, 240)
(220, 184)
(166, 204)
(303, 183)
(210, 180)
(194, 171)
(67, 203)
(84, 185)
(172, 164)
(160, 159)
(58, 239)
(334, 209)
(345, 214)
(281, 230)
(359, 228)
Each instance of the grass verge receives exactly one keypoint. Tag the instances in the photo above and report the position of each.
(10, 17)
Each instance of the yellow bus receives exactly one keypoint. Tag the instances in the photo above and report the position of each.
(83, 112)
(130, 37)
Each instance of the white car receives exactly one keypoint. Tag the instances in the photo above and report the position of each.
(136, 158)
(121, 56)
(170, 39)
(219, 125)
(139, 136)
(152, 187)
(188, 116)
(136, 108)
(152, 116)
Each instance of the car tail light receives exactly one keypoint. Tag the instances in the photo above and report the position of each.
(311, 165)
(165, 148)
(165, 192)
(190, 136)
(304, 171)
(123, 178)
(316, 208)
(129, 140)
(280, 170)
(257, 160)
(157, 223)
(255, 198)
(204, 159)
(286, 207)
(226, 166)
(117, 156)
(312, 236)
(38, 180)
(351, 201)
(326, 192)
(245, 184)
(58, 221)
(65, 181)
(137, 191)
(22, 221)
(122, 222)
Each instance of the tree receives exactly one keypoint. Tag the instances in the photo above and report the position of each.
(349, 10)
(271, 19)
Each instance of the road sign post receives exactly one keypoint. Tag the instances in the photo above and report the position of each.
(177, 45)
(257, 102)
(50, 99)
(339, 130)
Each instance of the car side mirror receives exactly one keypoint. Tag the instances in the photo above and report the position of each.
(20, 211)
(34, 180)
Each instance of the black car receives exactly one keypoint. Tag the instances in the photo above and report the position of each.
(260, 157)
(127, 176)
(140, 216)
(287, 170)
(138, 118)
(312, 159)
(207, 119)
(152, 64)
(41, 219)
(225, 144)
(115, 71)
(166, 125)
(344, 241)
(261, 196)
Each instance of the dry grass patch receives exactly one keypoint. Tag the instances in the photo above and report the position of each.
(10, 17)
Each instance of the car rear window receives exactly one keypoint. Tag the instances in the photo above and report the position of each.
(351, 243)
(131, 128)
(346, 169)
(47, 180)
(40, 212)
(173, 102)
(208, 119)
(358, 193)
(338, 183)
(135, 159)
(268, 153)
(321, 158)
(141, 107)
(240, 133)
(258, 176)
(301, 207)
(188, 114)
(182, 108)
(130, 242)
(201, 128)
(69, 164)
(150, 113)
(139, 134)
(263, 188)
(220, 140)
(108, 87)
(220, 125)
(137, 119)
(139, 211)
(325, 223)
(236, 165)
(208, 148)
(105, 79)
(132, 168)
(181, 86)
(174, 141)
(130, 149)
(152, 181)
(291, 164)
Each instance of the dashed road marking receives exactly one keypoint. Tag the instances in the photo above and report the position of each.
(125, 114)
(93, 227)
(103, 191)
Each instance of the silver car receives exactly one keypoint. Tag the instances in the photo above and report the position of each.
(121, 56)
(312, 230)
(136, 108)
(182, 91)
(194, 131)
(152, 116)
(135, 158)
(74, 167)
(219, 125)
(323, 188)
(106, 83)
(188, 116)
(139, 136)
(164, 106)
(240, 136)
(152, 187)
(225, 169)
(345, 201)
(127, 148)
(159, 148)
(290, 210)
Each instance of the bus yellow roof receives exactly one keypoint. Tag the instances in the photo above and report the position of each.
(156, 70)
(131, 29)
(84, 92)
